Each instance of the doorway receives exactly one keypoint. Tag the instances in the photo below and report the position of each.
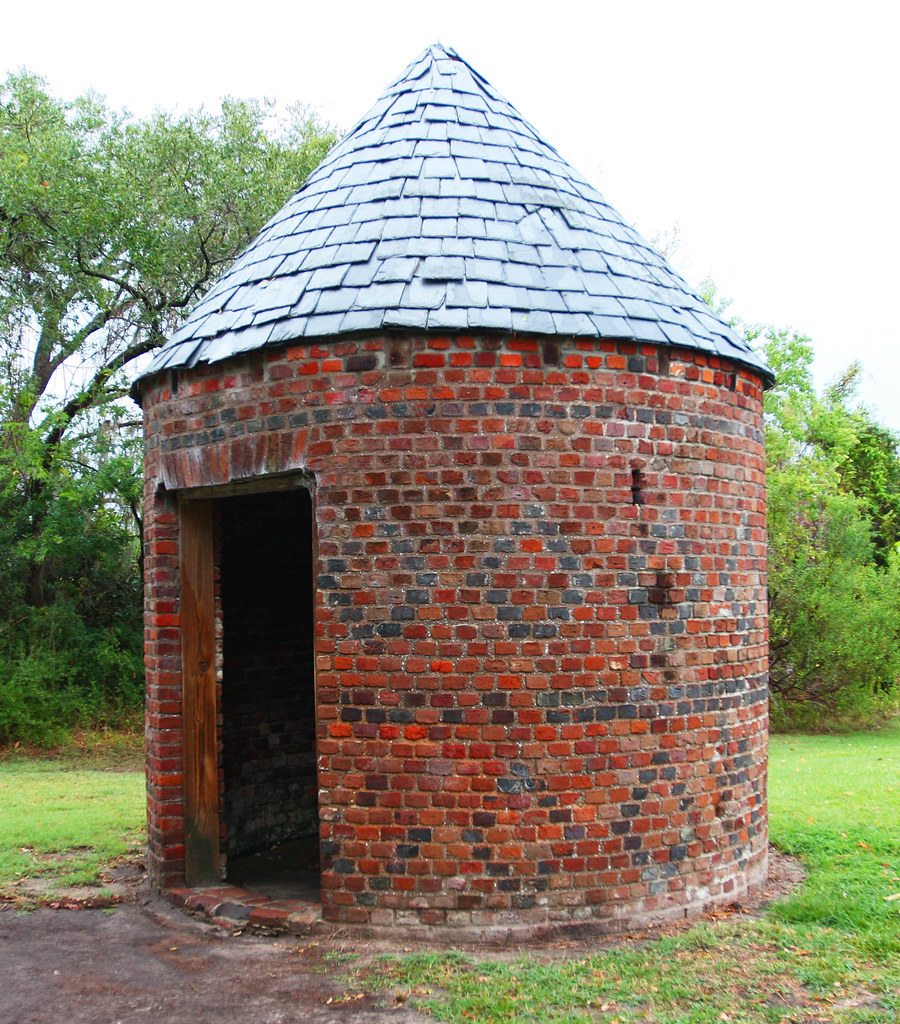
(269, 802)
(248, 615)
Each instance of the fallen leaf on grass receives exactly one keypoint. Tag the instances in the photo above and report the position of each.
(347, 997)
(404, 994)
(728, 911)
(893, 896)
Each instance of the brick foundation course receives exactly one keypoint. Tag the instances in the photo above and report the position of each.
(540, 619)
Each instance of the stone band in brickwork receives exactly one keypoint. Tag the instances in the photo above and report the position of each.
(540, 618)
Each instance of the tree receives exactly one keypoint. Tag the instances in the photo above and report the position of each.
(871, 471)
(111, 228)
(834, 492)
(834, 541)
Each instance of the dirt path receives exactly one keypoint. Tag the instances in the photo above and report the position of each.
(128, 967)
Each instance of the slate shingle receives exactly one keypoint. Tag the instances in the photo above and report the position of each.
(444, 208)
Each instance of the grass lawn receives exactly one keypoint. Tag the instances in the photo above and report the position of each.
(62, 818)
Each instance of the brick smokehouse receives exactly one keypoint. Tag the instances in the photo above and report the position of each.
(456, 549)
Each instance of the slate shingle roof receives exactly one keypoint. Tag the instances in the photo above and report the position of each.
(444, 209)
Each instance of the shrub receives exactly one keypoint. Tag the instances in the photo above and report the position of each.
(834, 599)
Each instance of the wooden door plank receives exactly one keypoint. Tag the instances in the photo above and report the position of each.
(201, 775)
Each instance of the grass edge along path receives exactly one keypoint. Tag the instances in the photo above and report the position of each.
(829, 953)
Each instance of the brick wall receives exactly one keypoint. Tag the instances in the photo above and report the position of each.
(540, 622)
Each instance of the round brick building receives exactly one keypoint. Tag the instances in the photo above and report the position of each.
(455, 547)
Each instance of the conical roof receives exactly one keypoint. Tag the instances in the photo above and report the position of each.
(444, 210)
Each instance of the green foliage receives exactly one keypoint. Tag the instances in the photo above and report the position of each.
(871, 471)
(74, 656)
(834, 574)
(110, 229)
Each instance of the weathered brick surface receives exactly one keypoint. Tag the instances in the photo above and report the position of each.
(540, 620)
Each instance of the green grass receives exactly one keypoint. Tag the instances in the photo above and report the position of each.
(834, 801)
(62, 818)
(829, 953)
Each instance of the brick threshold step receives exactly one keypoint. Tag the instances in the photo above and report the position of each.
(231, 907)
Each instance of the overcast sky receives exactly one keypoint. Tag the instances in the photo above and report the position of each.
(767, 132)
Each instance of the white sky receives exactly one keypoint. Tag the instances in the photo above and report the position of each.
(768, 132)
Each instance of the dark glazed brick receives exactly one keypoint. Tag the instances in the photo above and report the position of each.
(358, 364)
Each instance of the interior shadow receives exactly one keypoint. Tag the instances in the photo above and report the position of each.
(270, 797)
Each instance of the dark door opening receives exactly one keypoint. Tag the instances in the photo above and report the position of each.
(270, 798)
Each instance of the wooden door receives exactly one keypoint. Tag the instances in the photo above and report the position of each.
(198, 653)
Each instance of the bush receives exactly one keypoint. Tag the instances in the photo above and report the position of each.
(70, 590)
(59, 673)
(833, 655)
(834, 571)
